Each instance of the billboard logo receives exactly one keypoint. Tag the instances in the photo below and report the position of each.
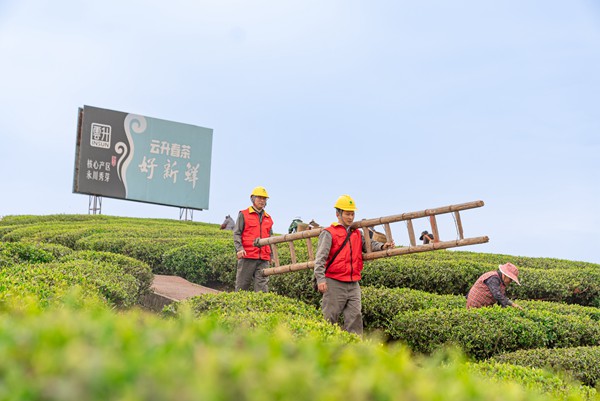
(100, 136)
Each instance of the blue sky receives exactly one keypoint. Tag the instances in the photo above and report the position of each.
(403, 105)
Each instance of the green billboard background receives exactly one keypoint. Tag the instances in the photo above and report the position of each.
(134, 157)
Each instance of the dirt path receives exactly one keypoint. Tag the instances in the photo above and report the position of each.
(167, 289)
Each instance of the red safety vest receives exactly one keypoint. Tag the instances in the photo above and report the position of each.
(349, 262)
(480, 295)
(254, 228)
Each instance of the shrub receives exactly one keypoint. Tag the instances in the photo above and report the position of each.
(137, 269)
(495, 259)
(582, 363)
(297, 285)
(539, 380)
(101, 242)
(575, 285)
(23, 252)
(562, 309)
(484, 332)
(298, 326)
(49, 281)
(442, 277)
(266, 310)
(380, 305)
(565, 330)
(245, 301)
(65, 354)
(147, 250)
(203, 261)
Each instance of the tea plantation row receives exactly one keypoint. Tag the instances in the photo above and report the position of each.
(204, 254)
(61, 343)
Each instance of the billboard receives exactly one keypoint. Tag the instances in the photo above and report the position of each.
(129, 156)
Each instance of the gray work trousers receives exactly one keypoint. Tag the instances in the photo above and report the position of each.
(249, 269)
(343, 297)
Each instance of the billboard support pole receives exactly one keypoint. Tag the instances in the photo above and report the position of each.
(186, 214)
(95, 204)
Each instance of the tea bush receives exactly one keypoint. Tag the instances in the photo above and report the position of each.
(380, 305)
(297, 285)
(442, 277)
(224, 346)
(266, 310)
(537, 379)
(72, 354)
(48, 282)
(498, 259)
(582, 363)
(485, 332)
(23, 252)
(203, 261)
(144, 239)
(150, 251)
(575, 285)
(562, 309)
(63, 234)
(245, 301)
(136, 268)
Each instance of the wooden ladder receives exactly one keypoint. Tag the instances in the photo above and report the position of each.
(364, 225)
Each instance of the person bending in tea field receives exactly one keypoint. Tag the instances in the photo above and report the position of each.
(490, 287)
(253, 223)
(338, 265)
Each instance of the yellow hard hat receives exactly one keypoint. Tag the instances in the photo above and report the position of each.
(345, 202)
(260, 191)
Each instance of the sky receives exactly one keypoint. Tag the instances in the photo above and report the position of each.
(403, 105)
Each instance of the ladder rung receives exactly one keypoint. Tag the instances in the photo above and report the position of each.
(292, 252)
(367, 239)
(411, 232)
(434, 228)
(309, 248)
(275, 255)
(459, 225)
(388, 232)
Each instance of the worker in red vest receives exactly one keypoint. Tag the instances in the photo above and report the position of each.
(490, 287)
(253, 223)
(338, 266)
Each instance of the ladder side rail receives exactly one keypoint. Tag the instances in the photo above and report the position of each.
(432, 246)
(373, 222)
(290, 237)
(415, 215)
